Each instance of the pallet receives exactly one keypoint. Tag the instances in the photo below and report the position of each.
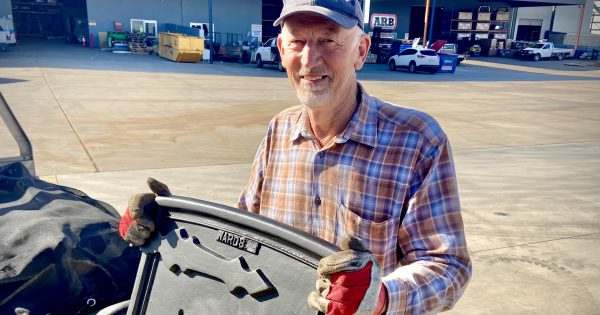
(137, 44)
(138, 49)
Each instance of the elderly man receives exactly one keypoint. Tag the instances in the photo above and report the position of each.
(374, 178)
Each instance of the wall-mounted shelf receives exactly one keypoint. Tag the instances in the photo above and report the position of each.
(475, 25)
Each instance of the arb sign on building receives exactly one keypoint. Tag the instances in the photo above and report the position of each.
(385, 21)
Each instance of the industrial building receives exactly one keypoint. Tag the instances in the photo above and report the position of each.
(531, 20)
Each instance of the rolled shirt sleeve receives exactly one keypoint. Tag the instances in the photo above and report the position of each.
(250, 197)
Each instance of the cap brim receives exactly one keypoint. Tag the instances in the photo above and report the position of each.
(341, 19)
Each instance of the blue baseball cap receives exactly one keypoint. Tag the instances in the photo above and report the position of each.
(346, 13)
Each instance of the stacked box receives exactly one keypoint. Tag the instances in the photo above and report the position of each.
(464, 25)
(465, 15)
(484, 16)
(483, 26)
(460, 36)
(502, 16)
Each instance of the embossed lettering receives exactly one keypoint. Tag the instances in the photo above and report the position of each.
(238, 242)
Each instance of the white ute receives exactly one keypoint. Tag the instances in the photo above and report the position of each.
(268, 53)
(545, 50)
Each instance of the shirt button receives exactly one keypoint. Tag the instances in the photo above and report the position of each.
(318, 201)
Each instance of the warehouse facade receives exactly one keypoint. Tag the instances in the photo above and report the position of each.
(523, 20)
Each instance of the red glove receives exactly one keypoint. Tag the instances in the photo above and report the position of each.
(349, 282)
(138, 220)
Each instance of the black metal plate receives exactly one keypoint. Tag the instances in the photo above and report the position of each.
(214, 259)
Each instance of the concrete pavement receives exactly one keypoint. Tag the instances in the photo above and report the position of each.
(526, 145)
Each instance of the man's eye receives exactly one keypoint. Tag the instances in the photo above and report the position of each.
(327, 41)
(296, 42)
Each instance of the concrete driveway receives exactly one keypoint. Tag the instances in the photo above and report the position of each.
(526, 143)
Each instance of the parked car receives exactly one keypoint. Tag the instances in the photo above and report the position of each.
(7, 33)
(269, 54)
(233, 48)
(452, 49)
(415, 59)
(545, 50)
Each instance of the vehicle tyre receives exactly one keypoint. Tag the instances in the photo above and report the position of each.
(280, 67)
(259, 63)
(537, 57)
(559, 57)
(392, 65)
(412, 67)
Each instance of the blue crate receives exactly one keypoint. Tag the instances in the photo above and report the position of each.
(448, 63)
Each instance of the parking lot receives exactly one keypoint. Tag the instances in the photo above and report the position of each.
(525, 136)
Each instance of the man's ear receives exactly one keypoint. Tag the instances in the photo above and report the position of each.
(280, 45)
(363, 51)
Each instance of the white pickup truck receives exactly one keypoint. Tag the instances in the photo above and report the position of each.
(545, 50)
(269, 54)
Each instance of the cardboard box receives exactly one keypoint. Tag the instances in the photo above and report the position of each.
(465, 15)
(181, 42)
(502, 16)
(483, 26)
(484, 16)
(178, 55)
(464, 25)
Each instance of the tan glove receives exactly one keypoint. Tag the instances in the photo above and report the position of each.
(349, 282)
(138, 220)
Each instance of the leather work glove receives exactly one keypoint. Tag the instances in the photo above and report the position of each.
(349, 282)
(138, 220)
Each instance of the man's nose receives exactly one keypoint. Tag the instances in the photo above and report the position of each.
(311, 55)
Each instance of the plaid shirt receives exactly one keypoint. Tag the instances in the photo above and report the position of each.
(388, 179)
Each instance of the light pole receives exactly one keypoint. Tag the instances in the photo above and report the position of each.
(581, 12)
(210, 30)
(426, 20)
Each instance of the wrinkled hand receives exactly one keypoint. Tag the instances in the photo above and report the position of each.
(349, 282)
(138, 220)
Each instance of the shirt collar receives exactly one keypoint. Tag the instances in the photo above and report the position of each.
(301, 127)
(361, 128)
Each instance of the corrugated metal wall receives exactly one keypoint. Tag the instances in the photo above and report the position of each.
(5, 8)
(229, 16)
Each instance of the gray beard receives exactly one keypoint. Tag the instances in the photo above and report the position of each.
(310, 98)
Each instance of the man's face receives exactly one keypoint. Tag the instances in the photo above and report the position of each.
(321, 58)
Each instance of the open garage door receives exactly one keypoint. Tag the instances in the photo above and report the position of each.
(51, 19)
(529, 30)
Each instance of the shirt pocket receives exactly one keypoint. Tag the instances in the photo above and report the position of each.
(380, 237)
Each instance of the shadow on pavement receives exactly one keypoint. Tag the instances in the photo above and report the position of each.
(9, 80)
